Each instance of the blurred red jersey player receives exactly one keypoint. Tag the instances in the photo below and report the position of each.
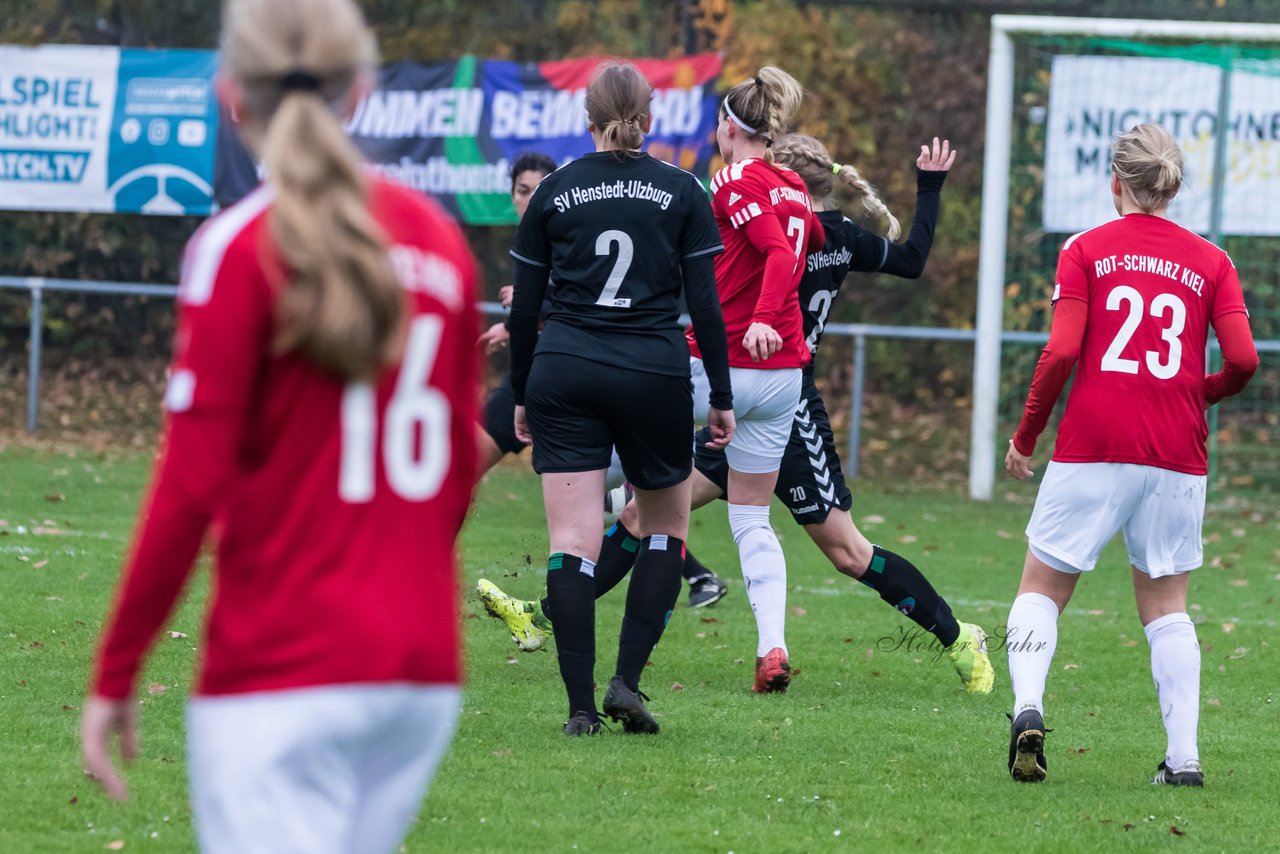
(321, 414)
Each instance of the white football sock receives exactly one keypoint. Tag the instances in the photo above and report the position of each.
(765, 571)
(1032, 638)
(1175, 665)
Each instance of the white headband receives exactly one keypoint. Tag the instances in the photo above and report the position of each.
(728, 111)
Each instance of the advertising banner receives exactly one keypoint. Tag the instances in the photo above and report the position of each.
(100, 129)
(1094, 98)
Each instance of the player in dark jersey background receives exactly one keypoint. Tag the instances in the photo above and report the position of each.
(811, 483)
(1133, 302)
(622, 234)
(497, 435)
(525, 619)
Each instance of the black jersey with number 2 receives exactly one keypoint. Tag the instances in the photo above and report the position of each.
(613, 230)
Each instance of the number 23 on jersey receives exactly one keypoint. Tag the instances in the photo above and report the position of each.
(1168, 310)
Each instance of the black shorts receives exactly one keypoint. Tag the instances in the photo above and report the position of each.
(579, 410)
(500, 417)
(810, 481)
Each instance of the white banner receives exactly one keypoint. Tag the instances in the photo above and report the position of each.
(105, 129)
(1094, 98)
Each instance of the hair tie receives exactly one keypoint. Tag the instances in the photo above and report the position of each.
(758, 81)
(768, 142)
(299, 80)
(836, 167)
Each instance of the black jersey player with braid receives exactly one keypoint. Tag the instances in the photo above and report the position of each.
(623, 234)
(810, 482)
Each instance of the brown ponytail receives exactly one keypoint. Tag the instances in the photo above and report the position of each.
(618, 105)
(297, 61)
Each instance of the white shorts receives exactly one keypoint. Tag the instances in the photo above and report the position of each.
(339, 768)
(764, 404)
(1082, 505)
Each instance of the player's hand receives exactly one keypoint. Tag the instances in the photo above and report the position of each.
(495, 338)
(937, 159)
(101, 720)
(506, 293)
(522, 427)
(721, 423)
(1016, 464)
(761, 341)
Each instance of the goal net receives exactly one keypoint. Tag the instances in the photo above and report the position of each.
(1060, 90)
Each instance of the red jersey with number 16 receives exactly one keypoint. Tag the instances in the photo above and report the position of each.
(765, 215)
(1152, 289)
(334, 506)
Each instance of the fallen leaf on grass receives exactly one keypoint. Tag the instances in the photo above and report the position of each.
(74, 800)
(676, 686)
(40, 564)
(1130, 643)
(1240, 653)
(47, 532)
(53, 598)
(506, 751)
(24, 558)
(512, 660)
(1078, 751)
(708, 620)
(114, 845)
(157, 688)
(55, 497)
(873, 520)
(796, 611)
(1174, 830)
(1228, 628)
(1004, 535)
(1096, 612)
(1214, 701)
(1128, 826)
(1070, 667)
(908, 538)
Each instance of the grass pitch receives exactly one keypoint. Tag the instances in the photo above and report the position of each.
(875, 746)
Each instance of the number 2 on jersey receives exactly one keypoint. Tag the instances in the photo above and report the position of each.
(626, 251)
(415, 409)
(1177, 311)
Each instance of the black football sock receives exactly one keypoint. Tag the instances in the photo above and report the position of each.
(652, 593)
(617, 555)
(693, 568)
(905, 588)
(618, 552)
(571, 594)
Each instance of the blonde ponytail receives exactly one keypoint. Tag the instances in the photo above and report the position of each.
(765, 105)
(297, 61)
(1147, 159)
(815, 166)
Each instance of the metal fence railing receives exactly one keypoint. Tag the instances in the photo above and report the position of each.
(859, 332)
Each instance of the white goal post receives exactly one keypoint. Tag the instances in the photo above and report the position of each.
(989, 321)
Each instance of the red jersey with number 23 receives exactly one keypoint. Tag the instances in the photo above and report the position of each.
(335, 506)
(760, 209)
(1152, 289)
